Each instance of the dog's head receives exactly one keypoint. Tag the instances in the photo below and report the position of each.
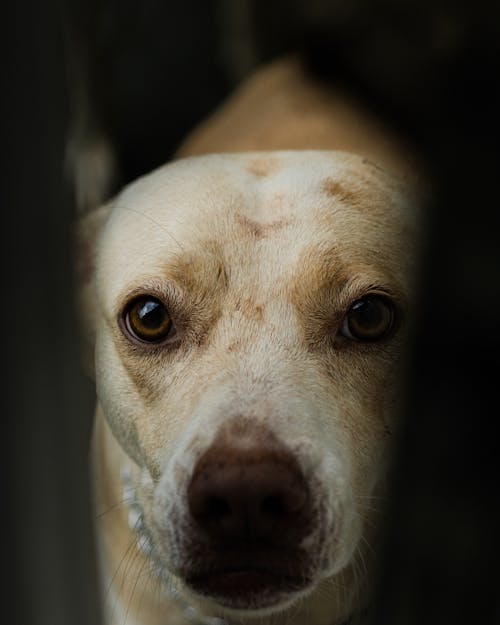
(249, 312)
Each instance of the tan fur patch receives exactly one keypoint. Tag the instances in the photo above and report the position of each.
(265, 166)
(250, 226)
(316, 291)
(339, 190)
(236, 346)
(200, 271)
(314, 277)
(260, 230)
(249, 309)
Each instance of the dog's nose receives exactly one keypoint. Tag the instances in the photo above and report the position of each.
(250, 493)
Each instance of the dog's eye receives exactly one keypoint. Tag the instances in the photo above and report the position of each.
(370, 318)
(147, 319)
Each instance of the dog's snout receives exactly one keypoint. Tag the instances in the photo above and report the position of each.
(249, 494)
(247, 501)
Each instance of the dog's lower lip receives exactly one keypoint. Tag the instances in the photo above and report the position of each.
(235, 583)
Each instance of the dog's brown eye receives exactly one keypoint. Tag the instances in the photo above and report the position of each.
(369, 319)
(147, 319)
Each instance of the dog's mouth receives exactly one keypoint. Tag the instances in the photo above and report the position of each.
(248, 586)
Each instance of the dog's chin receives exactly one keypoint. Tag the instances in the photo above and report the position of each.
(252, 590)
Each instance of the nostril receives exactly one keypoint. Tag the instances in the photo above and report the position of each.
(217, 508)
(274, 507)
(285, 503)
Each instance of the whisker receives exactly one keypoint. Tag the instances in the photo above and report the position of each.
(133, 210)
(147, 581)
(359, 552)
(367, 519)
(132, 592)
(335, 589)
(356, 585)
(378, 497)
(113, 507)
(129, 566)
(367, 543)
(111, 582)
(107, 594)
(129, 555)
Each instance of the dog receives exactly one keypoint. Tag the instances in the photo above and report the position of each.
(246, 307)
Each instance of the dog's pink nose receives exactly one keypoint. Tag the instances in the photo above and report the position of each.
(249, 490)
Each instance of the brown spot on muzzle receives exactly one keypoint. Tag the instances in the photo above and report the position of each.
(248, 489)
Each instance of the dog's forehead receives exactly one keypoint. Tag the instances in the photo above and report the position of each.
(220, 183)
(267, 207)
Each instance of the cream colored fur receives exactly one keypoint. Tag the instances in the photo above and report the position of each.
(262, 251)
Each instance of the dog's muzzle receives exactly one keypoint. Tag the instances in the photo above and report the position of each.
(249, 509)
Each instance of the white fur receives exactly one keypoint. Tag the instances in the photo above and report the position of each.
(330, 406)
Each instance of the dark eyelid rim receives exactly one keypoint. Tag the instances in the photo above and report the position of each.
(355, 291)
(167, 293)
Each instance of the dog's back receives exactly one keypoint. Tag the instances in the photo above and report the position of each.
(282, 107)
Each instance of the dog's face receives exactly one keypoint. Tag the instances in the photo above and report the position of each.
(250, 315)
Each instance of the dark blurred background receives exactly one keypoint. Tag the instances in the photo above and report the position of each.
(138, 76)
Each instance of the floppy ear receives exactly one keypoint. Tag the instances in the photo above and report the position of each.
(87, 231)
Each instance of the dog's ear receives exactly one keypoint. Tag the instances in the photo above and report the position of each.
(86, 235)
